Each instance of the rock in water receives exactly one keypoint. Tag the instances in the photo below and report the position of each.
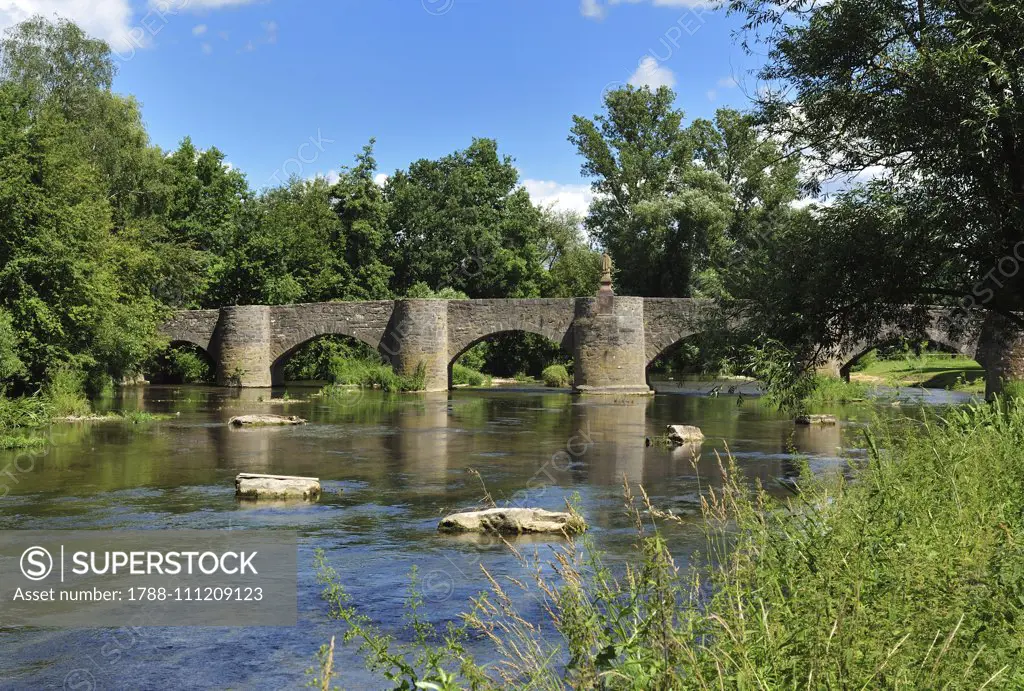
(684, 434)
(265, 420)
(512, 521)
(255, 486)
(816, 420)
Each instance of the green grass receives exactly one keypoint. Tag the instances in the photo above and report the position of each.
(467, 376)
(906, 573)
(370, 374)
(931, 370)
(831, 390)
(10, 442)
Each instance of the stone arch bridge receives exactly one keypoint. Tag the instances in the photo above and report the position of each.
(612, 339)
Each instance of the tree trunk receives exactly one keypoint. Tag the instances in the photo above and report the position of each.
(1000, 352)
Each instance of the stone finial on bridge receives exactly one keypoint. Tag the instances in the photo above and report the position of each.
(606, 276)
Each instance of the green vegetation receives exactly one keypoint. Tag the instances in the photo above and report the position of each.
(929, 369)
(925, 97)
(465, 376)
(372, 375)
(555, 376)
(906, 575)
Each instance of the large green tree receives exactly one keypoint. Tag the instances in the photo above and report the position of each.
(659, 215)
(929, 96)
(364, 240)
(463, 221)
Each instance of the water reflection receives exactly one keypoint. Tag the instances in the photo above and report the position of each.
(391, 467)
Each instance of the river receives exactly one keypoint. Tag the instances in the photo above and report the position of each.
(391, 466)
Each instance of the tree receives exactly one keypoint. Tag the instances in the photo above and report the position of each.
(464, 222)
(201, 223)
(659, 215)
(763, 184)
(929, 93)
(62, 271)
(57, 63)
(363, 240)
(574, 268)
(288, 248)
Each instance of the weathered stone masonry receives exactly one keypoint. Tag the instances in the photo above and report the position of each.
(612, 339)
(608, 336)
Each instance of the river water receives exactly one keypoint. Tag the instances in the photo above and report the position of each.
(391, 466)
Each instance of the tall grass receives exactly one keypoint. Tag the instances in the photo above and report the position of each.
(462, 375)
(369, 374)
(905, 573)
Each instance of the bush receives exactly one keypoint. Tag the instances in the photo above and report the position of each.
(373, 375)
(831, 390)
(65, 393)
(555, 376)
(466, 376)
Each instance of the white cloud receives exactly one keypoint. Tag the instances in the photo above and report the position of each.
(199, 29)
(596, 9)
(563, 197)
(270, 32)
(172, 6)
(592, 9)
(728, 82)
(207, 48)
(332, 177)
(650, 73)
(712, 95)
(110, 20)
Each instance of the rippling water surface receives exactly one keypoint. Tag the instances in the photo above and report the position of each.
(390, 467)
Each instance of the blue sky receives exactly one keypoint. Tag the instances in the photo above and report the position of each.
(299, 86)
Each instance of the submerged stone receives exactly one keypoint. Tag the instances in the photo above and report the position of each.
(816, 420)
(265, 420)
(684, 434)
(512, 521)
(256, 486)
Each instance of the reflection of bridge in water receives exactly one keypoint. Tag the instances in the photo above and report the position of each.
(427, 442)
(612, 339)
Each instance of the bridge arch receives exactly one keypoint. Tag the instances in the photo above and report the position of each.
(281, 360)
(473, 321)
(168, 368)
(565, 347)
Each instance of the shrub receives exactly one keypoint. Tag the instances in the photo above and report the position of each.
(555, 376)
(65, 393)
(466, 376)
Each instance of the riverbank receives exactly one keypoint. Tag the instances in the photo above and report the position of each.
(927, 370)
(903, 572)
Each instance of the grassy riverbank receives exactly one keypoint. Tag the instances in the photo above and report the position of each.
(24, 419)
(907, 575)
(930, 370)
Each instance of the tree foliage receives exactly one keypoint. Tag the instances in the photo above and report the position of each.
(928, 95)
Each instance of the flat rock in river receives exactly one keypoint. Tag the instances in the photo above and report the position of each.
(265, 420)
(684, 434)
(512, 521)
(256, 486)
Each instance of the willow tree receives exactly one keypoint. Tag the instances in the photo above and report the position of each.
(927, 96)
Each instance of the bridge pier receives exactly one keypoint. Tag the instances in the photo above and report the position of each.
(418, 335)
(609, 346)
(241, 346)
